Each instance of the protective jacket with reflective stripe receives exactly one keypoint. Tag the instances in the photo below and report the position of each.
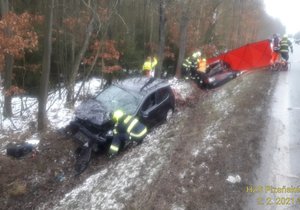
(130, 125)
(190, 62)
(149, 65)
(187, 63)
(285, 44)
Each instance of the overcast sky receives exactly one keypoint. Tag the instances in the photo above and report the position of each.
(287, 11)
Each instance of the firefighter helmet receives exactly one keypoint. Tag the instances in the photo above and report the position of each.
(117, 115)
(197, 54)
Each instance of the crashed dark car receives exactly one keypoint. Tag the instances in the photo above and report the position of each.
(150, 100)
(216, 74)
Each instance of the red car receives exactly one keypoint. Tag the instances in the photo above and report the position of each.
(217, 73)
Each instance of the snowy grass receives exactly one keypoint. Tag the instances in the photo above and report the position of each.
(120, 180)
(117, 182)
(182, 87)
(25, 108)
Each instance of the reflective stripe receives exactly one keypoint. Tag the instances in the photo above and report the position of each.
(114, 148)
(127, 119)
(132, 124)
(284, 45)
(140, 134)
(283, 50)
(115, 131)
(149, 65)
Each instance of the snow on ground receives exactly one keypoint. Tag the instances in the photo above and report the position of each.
(25, 108)
(120, 179)
(133, 172)
(182, 87)
(117, 182)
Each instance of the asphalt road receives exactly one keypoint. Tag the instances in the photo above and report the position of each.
(277, 180)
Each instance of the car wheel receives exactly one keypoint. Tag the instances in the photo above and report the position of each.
(169, 115)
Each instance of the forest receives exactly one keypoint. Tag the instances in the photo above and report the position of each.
(46, 44)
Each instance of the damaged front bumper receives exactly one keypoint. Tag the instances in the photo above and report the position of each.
(86, 138)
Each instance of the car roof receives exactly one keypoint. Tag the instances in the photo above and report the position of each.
(141, 85)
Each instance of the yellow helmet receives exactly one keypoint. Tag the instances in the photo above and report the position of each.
(117, 115)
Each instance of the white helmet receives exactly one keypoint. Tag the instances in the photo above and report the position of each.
(197, 54)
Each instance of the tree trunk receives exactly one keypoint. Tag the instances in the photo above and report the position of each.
(42, 114)
(162, 23)
(240, 24)
(9, 62)
(209, 34)
(77, 61)
(145, 28)
(8, 67)
(182, 40)
(151, 27)
(4, 7)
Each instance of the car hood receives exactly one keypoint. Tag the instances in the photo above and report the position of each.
(92, 111)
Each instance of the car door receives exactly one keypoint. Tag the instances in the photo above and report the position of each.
(147, 115)
(155, 107)
(162, 103)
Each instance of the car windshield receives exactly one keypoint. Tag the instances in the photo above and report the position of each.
(115, 97)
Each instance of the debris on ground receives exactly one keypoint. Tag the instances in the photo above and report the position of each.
(19, 150)
(234, 179)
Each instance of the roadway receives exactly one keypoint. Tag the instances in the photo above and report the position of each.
(277, 179)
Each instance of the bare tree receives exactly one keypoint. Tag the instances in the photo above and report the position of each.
(91, 28)
(77, 61)
(184, 22)
(162, 36)
(8, 67)
(210, 32)
(45, 66)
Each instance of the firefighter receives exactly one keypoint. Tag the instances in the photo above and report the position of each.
(276, 43)
(285, 44)
(127, 128)
(190, 65)
(149, 66)
(202, 65)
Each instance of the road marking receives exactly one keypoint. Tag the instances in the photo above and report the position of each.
(295, 108)
(288, 175)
